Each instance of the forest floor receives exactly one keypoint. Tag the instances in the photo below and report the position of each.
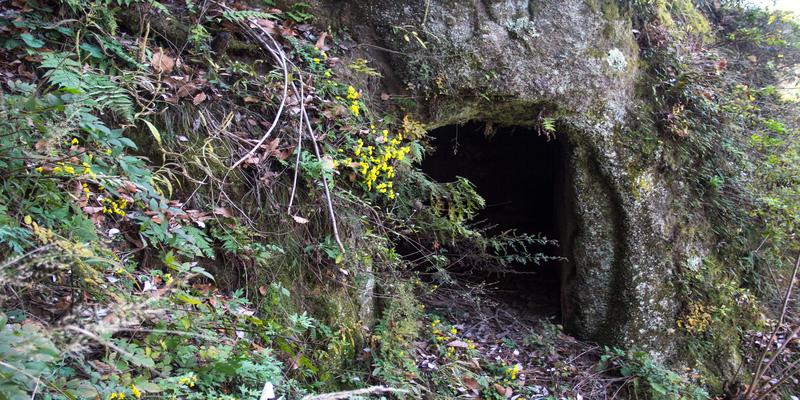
(518, 350)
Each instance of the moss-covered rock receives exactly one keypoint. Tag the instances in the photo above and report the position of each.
(512, 62)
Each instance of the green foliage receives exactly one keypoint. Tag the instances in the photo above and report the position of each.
(95, 90)
(457, 201)
(511, 248)
(299, 12)
(25, 355)
(395, 333)
(649, 379)
(243, 15)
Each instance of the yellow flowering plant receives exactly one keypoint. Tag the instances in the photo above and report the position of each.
(373, 160)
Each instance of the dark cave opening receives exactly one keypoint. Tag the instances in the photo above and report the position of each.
(522, 176)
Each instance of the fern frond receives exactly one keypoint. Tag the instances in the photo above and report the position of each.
(242, 15)
(99, 91)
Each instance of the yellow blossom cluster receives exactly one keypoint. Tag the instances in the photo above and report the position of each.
(442, 334)
(85, 168)
(190, 380)
(513, 371)
(435, 325)
(697, 320)
(375, 163)
(136, 392)
(353, 96)
(323, 56)
(116, 396)
(117, 207)
(86, 191)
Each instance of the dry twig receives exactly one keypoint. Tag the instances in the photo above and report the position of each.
(358, 392)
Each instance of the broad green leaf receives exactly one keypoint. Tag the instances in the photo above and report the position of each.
(153, 131)
(31, 41)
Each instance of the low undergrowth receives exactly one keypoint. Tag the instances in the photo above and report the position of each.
(201, 200)
(205, 211)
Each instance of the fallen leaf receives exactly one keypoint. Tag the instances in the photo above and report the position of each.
(225, 212)
(502, 390)
(285, 153)
(385, 96)
(272, 146)
(199, 98)
(299, 220)
(321, 42)
(267, 25)
(162, 63)
(186, 90)
(471, 384)
(458, 343)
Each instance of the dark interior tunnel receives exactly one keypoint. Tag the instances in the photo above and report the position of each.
(521, 175)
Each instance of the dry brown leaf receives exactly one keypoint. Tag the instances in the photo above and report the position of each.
(271, 146)
(458, 343)
(262, 290)
(268, 25)
(476, 364)
(186, 90)
(92, 210)
(283, 154)
(471, 384)
(385, 96)
(199, 98)
(321, 42)
(162, 63)
(225, 212)
(502, 390)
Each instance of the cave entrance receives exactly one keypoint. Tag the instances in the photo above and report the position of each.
(521, 175)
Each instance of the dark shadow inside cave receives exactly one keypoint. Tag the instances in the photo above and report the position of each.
(521, 174)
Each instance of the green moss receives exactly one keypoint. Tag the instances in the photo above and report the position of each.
(681, 17)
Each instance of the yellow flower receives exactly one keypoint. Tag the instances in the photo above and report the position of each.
(135, 391)
(74, 141)
(316, 60)
(354, 108)
(453, 330)
(514, 371)
(39, 169)
(188, 380)
(352, 94)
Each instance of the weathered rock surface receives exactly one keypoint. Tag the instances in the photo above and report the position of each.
(515, 61)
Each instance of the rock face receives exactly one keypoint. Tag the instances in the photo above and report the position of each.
(513, 62)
